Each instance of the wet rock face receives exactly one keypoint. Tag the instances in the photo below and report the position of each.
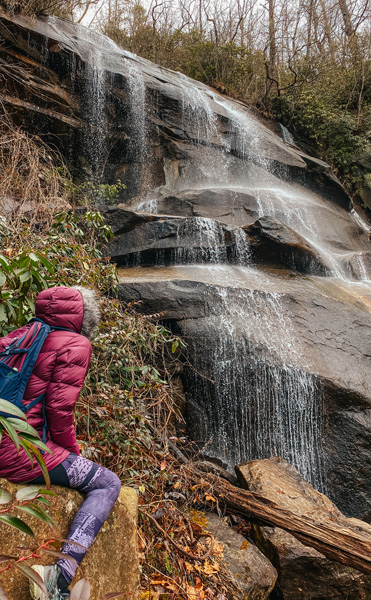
(111, 564)
(243, 393)
(275, 243)
(75, 86)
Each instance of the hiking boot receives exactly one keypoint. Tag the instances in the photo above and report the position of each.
(50, 576)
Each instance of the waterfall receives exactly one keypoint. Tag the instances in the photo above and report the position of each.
(138, 136)
(148, 206)
(287, 137)
(94, 105)
(196, 240)
(252, 403)
(249, 387)
(244, 137)
(197, 114)
(137, 93)
(204, 242)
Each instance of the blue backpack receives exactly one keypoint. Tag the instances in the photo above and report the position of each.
(13, 382)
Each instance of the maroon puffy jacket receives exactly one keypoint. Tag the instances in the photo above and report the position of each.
(59, 372)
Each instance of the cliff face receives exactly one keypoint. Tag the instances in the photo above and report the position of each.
(248, 246)
(115, 115)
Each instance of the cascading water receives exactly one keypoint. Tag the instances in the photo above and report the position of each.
(255, 404)
(193, 241)
(247, 396)
(205, 242)
(95, 132)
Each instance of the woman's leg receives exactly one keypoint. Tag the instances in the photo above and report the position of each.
(101, 487)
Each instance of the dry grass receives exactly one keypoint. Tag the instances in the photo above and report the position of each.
(62, 8)
(30, 185)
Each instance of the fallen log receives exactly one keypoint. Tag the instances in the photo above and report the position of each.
(347, 541)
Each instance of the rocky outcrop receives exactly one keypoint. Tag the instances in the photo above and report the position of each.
(277, 244)
(248, 568)
(296, 320)
(304, 573)
(156, 127)
(111, 564)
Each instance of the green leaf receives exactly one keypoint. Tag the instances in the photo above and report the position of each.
(34, 257)
(31, 304)
(28, 493)
(4, 262)
(17, 524)
(35, 442)
(22, 261)
(33, 576)
(11, 310)
(43, 500)
(39, 514)
(81, 590)
(27, 451)
(5, 496)
(40, 461)
(25, 276)
(47, 264)
(47, 492)
(2, 278)
(8, 407)
(3, 316)
(24, 427)
(11, 432)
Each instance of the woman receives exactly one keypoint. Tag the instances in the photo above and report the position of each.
(59, 372)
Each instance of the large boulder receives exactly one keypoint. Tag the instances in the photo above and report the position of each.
(304, 573)
(249, 569)
(111, 564)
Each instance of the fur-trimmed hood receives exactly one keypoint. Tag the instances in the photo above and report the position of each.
(74, 308)
(91, 315)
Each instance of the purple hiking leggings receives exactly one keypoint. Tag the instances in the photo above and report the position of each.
(101, 487)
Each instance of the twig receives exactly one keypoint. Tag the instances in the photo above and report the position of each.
(179, 548)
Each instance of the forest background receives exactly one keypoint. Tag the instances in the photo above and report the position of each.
(305, 63)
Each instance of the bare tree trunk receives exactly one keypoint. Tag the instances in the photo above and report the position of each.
(350, 31)
(328, 32)
(272, 40)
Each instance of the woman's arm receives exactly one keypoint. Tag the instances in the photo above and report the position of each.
(67, 379)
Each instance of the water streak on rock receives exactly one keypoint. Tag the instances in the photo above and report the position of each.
(254, 403)
(94, 107)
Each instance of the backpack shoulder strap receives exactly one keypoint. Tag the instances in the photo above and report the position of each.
(51, 327)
